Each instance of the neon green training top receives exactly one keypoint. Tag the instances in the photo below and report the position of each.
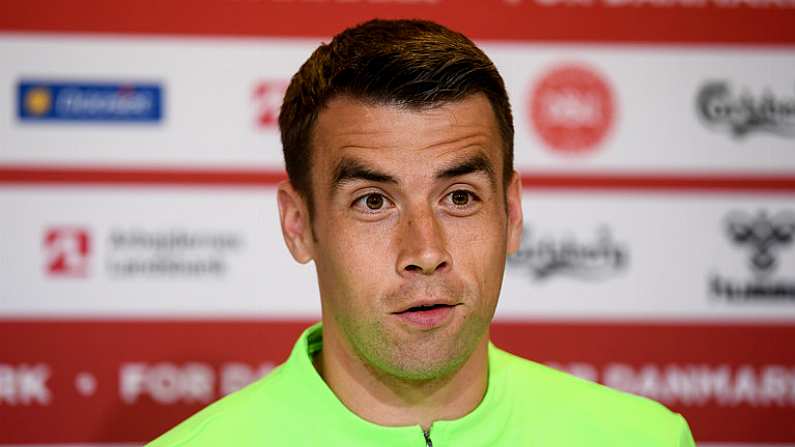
(526, 404)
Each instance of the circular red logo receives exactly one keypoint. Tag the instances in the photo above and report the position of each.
(571, 108)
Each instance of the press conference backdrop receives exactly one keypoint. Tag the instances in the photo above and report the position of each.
(142, 271)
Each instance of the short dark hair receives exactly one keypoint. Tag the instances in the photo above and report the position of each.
(409, 63)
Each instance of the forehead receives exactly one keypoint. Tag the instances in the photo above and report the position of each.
(393, 133)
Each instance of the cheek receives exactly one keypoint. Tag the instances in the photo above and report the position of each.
(363, 248)
(353, 264)
(479, 249)
(480, 235)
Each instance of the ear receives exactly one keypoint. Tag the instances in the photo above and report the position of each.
(515, 218)
(294, 218)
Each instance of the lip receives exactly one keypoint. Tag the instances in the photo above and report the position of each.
(427, 316)
(425, 303)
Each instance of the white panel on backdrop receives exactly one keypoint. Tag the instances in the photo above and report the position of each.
(647, 256)
(594, 107)
(149, 252)
(216, 252)
(653, 123)
(220, 99)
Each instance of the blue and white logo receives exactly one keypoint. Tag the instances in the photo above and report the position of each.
(89, 102)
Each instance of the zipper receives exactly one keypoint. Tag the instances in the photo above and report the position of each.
(428, 442)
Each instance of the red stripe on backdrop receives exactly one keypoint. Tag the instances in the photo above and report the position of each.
(660, 182)
(679, 359)
(702, 21)
(127, 381)
(140, 176)
(267, 178)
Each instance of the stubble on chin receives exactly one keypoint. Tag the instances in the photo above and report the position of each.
(388, 348)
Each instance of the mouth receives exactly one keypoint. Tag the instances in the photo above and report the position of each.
(425, 307)
(427, 316)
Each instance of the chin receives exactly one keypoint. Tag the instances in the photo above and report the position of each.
(430, 360)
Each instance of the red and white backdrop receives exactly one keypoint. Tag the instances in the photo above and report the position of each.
(142, 272)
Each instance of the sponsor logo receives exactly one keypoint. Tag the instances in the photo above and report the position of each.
(67, 251)
(543, 257)
(572, 108)
(89, 102)
(170, 253)
(743, 114)
(134, 253)
(267, 97)
(763, 237)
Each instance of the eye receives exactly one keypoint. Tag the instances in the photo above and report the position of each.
(460, 198)
(372, 203)
(461, 201)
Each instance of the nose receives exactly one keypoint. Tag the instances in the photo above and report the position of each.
(423, 246)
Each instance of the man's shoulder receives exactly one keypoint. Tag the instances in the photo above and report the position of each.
(232, 420)
(558, 389)
(558, 398)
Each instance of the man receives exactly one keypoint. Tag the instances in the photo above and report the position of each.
(398, 142)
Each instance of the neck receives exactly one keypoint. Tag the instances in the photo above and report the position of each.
(391, 401)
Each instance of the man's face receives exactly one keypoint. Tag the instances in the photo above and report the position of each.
(411, 231)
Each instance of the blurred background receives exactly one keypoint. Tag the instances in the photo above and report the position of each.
(142, 271)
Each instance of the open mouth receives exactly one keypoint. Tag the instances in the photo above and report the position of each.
(427, 316)
(426, 308)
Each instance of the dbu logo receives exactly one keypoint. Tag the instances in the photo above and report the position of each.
(67, 251)
(267, 97)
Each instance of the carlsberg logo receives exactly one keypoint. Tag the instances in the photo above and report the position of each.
(744, 113)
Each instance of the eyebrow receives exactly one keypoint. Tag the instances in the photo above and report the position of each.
(349, 169)
(477, 163)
